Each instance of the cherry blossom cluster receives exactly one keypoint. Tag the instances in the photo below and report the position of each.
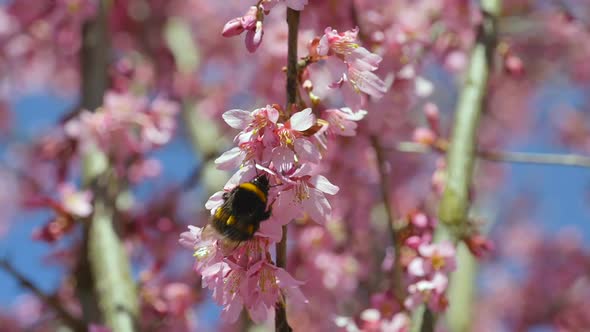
(339, 255)
(125, 128)
(360, 62)
(252, 21)
(288, 151)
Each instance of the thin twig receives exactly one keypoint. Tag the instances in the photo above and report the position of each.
(291, 87)
(556, 159)
(281, 323)
(51, 300)
(195, 176)
(397, 285)
(397, 275)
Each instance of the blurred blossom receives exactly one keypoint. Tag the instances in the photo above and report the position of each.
(370, 74)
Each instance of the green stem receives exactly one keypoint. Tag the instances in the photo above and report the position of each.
(454, 205)
(556, 159)
(461, 154)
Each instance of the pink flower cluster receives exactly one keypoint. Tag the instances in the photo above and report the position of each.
(287, 149)
(288, 152)
(125, 128)
(429, 272)
(428, 264)
(244, 279)
(371, 320)
(360, 63)
(71, 205)
(251, 22)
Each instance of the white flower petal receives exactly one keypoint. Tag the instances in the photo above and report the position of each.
(323, 184)
(238, 119)
(317, 206)
(214, 201)
(302, 120)
(306, 150)
(230, 159)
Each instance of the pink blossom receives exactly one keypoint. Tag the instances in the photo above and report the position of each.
(257, 288)
(429, 291)
(424, 136)
(125, 126)
(77, 203)
(360, 63)
(204, 245)
(303, 192)
(400, 322)
(433, 257)
(479, 245)
(343, 121)
(251, 22)
(339, 43)
(291, 135)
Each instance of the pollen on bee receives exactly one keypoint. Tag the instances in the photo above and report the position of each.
(250, 229)
(230, 221)
(218, 213)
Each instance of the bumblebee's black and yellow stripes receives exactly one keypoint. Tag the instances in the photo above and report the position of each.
(243, 209)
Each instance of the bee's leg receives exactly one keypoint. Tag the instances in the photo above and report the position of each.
(268, 211)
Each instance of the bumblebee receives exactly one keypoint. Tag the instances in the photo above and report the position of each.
(242, 211)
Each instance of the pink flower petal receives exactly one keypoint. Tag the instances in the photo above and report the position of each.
(285, 208)
(353, 116)
(303, 170)
(230, 159)
(232, 28)
(284, 279)
(238, 119)
(232, 310)
(189, 239)
(324, 46)
(214, 201)
(416, 267)
(283, 159)
(258, 312)
(307, 151)
(244, 174)
(321, 183)
(363, 60)
(317, 206)
(302, 120)
(254, 38)
(367, 82)
(271, 229)
(272, 114)
(440, 282)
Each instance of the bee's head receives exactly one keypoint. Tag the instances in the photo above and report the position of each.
(261, 181)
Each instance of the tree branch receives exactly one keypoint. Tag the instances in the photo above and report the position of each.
(397, 280)
(107, 264)
(50, 300)
(461, 153)
(454, 205)
(281, 323)
(292, 87)
(572, 160)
